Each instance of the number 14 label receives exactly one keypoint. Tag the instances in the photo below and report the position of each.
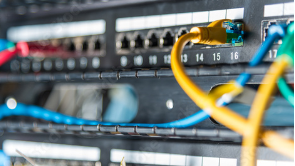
(200, 57)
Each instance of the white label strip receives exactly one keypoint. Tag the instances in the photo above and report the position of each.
(51, 151)
(56, 30)
(266, 163)
(137, 23)
(162, 159)
(227, 162)
(123, 24)
(279, 9)
(154, 158)
(274, 163)
(166, 20)
(193, 160)
(177, 159)
(288, 8)
(140, 157)
(184, 18)
(210, 161)
(200, 17)
(285, 163)
(273, 10)
(152, 21)
(216, 15)
(237, 13)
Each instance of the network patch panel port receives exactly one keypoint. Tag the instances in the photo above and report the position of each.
(70, 45)
(97, 45)
(94, 44)
(55, 42)
(266, 24)
(124, 43)
(289, 21)
(167, 39)
(85, 45)
(138, 41)
(271, 23)
(182, 31)
(152, 40)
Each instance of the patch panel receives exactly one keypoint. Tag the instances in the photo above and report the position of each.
(63, 54)
(181, 32)
(158, 40)
(140, 39)
(88, 46)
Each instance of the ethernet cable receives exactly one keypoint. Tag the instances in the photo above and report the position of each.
(214, 34)
(286, 91)
(265, 90)
(19, 109)
(4, 159)
(42, 113)
(285, 58)
(123, 163)
(59, 118)
(276, 32)
(21, 48)
(6, 44)
(287, 48)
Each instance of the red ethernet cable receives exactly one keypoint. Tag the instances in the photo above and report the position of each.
(21, 49)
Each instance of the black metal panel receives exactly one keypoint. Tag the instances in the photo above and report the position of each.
(253, 16)
(154, 84)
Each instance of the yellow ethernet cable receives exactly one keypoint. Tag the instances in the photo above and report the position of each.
(231, 88)
(261, 100)
(214, 34)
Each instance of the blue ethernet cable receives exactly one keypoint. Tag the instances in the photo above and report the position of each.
(4, 159)
(275, 32)
(39, 112)
(42, 113)
(5, 44)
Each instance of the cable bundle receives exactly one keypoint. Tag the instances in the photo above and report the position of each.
(249, 128)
